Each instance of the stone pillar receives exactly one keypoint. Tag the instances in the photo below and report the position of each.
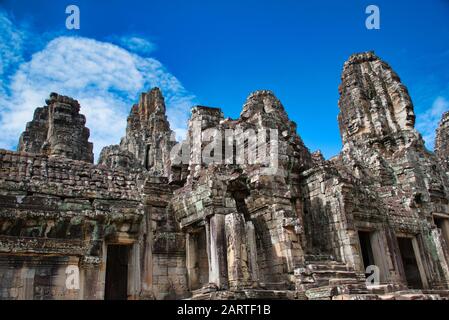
(207, 223)
(442, 254)
(218, 272)
(134, 273)
(91, 287)
(27, 291)
(252, 250)
(102, 272)
(192, 261)
(382, 258)
(147, 255)
(395, 267)
(239, 273)
(445, 230)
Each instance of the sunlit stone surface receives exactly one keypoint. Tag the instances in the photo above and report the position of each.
(140, 225)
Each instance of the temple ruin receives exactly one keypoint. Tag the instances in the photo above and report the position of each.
(142, 224)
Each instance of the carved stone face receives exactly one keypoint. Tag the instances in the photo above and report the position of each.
(354, 126)
(357, 122)
(403, 106)
(410, 116)
(405, 115)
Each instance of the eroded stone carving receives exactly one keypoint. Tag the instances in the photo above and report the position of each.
(442, 141)
(225, 226)
(148, 137)
(58, 129)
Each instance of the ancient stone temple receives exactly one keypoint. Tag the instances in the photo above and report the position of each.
(58, 129)
(240, 209)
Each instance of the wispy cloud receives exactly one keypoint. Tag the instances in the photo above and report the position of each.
(137, 44)
(428, 121)
(11, 47)
(105, 78)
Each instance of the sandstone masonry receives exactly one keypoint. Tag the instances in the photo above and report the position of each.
(140, 225)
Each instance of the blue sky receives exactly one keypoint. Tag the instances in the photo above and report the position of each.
(214, 53)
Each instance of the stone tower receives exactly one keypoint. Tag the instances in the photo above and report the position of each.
(58, 129)
(373, 103)
(442, 141)
(148, 138)
(219, 225)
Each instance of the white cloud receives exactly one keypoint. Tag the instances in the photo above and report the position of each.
(428, 121)
(137, 44)
(11, 44)
(105, 78)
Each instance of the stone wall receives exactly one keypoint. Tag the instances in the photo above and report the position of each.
(385, 154)
(253, 202)
(441, 141)
(242, 209)
(166, 246)
(56, 212)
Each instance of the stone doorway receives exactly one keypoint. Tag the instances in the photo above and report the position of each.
(116, 286)
(197, 259)
(410, 262)
(366, 249)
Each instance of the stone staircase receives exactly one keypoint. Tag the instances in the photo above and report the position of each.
(323, 278)
(401, 292)
(211, 292)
